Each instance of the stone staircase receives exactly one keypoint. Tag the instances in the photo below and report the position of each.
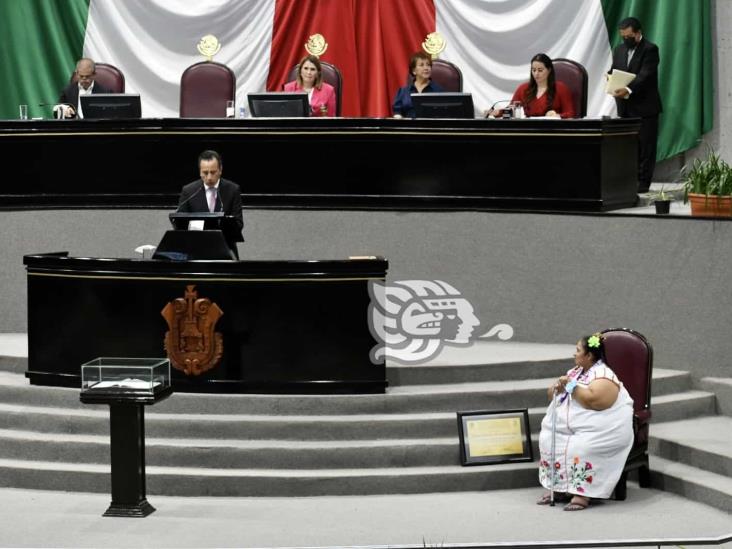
(299, 445)
(692, 456)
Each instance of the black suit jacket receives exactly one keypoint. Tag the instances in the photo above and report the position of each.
(193, 199)
(645, 101)
(70, 94)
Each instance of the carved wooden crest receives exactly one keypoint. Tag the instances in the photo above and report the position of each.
(191, 343)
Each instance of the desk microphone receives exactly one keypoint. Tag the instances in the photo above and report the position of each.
(218, 199)
(511, 110)
(493, 106)
(200, 188)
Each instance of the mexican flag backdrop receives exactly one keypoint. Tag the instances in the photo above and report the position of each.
(153, 41)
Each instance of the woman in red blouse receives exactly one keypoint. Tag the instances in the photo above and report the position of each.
(542, 95)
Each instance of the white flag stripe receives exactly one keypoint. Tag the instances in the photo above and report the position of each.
(153, 41)
(492, 43)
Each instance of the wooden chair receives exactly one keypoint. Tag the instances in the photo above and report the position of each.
(331, 75)
(108, 76)
(574, 76)
(446, 74)
(630, 356)
(205, 88)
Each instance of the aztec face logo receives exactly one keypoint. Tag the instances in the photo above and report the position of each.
(413, 319)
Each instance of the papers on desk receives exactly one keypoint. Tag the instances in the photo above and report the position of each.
(618, 79)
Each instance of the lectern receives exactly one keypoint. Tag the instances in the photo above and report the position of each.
(217, 240)
(127, 385)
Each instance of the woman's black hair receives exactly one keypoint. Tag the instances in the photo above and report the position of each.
(597, 351)
(551, 88)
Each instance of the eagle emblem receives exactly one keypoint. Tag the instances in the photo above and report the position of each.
(191, 343)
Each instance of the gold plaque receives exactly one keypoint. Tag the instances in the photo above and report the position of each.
(209, 46)
(316, 45)
(433, 44)
(498, 436)
(495, 437)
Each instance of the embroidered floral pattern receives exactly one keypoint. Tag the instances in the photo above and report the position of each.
(545, 473)
(580, 474)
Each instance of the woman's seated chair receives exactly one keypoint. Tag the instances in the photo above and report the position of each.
(205, 88)
(630, 356)
(446, 74)
(574, 76)
(331, 75)
(108, 76)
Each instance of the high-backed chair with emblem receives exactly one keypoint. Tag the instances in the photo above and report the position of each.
(630, 356)
(108, 76)
(205, 88)
(446, 74)
(574, 76)
(331, 75)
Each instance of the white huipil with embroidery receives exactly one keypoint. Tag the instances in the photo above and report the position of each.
(591, 446)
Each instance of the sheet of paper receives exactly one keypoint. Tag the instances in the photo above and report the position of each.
(195, 225)
(618, 79)
(128, 383)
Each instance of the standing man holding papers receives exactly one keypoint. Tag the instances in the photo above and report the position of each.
(640, 98)
(212, 193)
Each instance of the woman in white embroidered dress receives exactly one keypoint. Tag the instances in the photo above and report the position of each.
(594, 430)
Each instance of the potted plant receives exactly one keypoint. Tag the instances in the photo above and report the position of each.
(662, 200)
(708, 186)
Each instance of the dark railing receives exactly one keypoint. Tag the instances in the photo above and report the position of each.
(587, 165)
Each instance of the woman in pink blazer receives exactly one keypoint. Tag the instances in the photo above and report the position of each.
(310, 79)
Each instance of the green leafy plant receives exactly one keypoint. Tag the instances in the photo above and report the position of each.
(710, 176)
(661, 196)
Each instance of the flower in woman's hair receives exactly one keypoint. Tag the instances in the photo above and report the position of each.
(593, 341)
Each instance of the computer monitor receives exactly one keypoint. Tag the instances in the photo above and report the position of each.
(111, 105)
(279, 104)
(443, 105)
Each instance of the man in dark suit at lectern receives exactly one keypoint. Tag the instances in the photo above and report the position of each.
(640, 98)
(212, 193)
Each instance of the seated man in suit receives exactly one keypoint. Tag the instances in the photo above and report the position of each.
(85, 71)
(212, 193)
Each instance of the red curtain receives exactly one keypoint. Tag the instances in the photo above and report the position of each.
(370, 41)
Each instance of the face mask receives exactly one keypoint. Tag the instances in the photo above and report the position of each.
(629, 42)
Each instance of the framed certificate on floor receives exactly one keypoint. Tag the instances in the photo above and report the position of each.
(499, 436)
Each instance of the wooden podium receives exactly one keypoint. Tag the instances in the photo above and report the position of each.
(286, 326)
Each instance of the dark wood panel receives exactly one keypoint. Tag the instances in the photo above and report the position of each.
(290, 326)
(576, 165)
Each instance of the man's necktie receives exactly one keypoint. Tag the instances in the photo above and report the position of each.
(212, 199)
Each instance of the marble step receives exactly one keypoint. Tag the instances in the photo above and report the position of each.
(95, 420)
(692, 483)
(702, 442)
(14, 388)
(191, 481)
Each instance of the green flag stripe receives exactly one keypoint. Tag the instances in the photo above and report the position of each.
(682, 31)
(42, 40)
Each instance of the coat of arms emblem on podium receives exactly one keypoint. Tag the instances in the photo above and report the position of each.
(191, 342)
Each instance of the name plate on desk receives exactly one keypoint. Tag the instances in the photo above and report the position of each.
(488, 437)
